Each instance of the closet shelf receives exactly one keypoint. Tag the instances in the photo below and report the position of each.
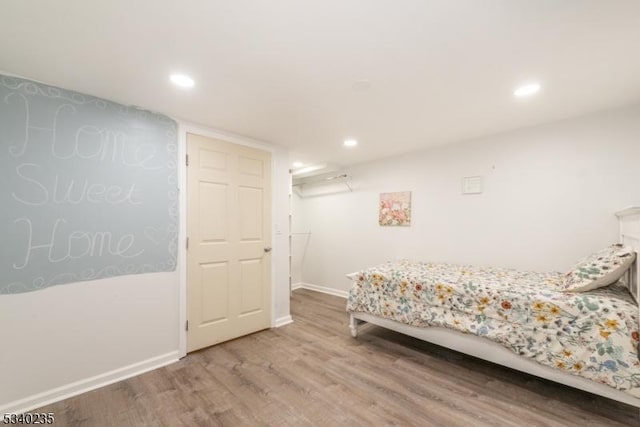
(321, 185)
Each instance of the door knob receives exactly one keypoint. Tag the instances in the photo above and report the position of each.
(267, 249)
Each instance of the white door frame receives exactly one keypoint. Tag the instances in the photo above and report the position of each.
(183, 129)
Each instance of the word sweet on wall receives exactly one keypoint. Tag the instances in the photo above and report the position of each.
(88, 188)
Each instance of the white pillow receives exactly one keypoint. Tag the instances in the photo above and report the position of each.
(599, 269)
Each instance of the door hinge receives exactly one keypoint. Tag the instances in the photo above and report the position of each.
(187, 244)
(187, 326)
(187, 160)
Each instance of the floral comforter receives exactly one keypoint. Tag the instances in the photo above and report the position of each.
(591, 334)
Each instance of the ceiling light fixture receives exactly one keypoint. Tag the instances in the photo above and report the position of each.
(182, 80)
(350, 143)
(298, 164)
(526, 90)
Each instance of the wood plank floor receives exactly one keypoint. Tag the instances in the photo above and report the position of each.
(312, 373)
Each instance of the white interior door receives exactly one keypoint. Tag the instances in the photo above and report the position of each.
(228, 226)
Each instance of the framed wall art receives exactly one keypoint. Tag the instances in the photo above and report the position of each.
(395, 209)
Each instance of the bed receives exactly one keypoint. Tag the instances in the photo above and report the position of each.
(579, 328)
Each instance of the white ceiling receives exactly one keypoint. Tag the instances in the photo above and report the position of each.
(283, 71)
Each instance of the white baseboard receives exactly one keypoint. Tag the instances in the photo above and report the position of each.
(335, 292)
(281, 321)
(73, 389)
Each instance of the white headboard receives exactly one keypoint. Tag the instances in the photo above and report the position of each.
(629, 220)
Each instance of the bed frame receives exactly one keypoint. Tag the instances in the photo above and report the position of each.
(629, 220)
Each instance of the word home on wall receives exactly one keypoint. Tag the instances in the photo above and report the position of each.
(89, 188)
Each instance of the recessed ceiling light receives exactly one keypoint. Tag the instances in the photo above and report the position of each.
(182, 80)
(298, 164)
(350, 143)
(526, 90)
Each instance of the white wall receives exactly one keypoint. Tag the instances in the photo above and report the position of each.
(300, 239)
(549, 197)
(281, 187)
(71, 338)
